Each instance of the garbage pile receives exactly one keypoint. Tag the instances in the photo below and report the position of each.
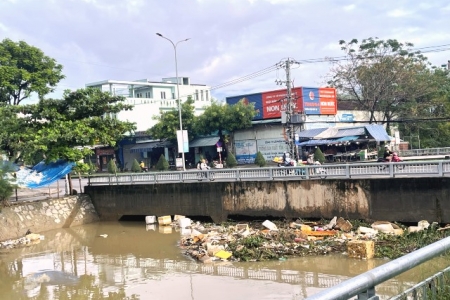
(208, 243)
(28, 239)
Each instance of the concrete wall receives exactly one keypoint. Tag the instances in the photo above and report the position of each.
(38, 216)
(400, 199)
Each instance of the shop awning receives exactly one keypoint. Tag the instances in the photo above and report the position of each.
(147, 147)
(378, 133)
(204, 142)
(328, 141)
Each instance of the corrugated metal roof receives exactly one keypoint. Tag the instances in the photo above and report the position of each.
(378, 132)
(350, 132)
(147, 147)
(310, 133)
(204, 142)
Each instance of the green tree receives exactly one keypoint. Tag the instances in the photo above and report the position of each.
(382, 76)
(162, 164)
(135, 168)
(169, 122)
(112, 167)
(260, 160)
(223, 117)
(231, 160)
(6, 185)
(318, 155)
(428, 118)
(60, 129)
(25, 70)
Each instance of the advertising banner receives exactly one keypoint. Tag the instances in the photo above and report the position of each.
(271, 148)
(328, 101)
(274, 102)
(311, 101)
(251, 98)
(182, 141)
(245, 151)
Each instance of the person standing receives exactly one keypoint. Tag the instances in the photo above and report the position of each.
(387, 154)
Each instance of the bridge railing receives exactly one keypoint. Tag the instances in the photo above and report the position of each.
(364, 285)
(425, 151)
(438, 168)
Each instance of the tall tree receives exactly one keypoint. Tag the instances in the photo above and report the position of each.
(58, 129)
(223, 117)
(383, 76)
(169, 122)
(426, 122)
(25, 70)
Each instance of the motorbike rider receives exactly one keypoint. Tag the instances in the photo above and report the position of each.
(387, 154)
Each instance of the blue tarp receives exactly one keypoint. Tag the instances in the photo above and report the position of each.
(43, 174)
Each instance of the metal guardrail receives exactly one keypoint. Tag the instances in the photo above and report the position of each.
(425, 151)
(440, 168)
(364, 285)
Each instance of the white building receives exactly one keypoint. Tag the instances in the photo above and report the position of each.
(151, 98)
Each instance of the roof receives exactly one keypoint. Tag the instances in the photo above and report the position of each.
(333, 134)
(378, 133)
(204, 142)
(147, 147)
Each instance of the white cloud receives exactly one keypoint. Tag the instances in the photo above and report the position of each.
(115, 39)
(398, 13)
(349, 7)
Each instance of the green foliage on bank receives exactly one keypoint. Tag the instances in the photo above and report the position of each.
(231, 160)
(135, 168)
(260, 160)
(318, 155)
(162, 164)
(112, 167)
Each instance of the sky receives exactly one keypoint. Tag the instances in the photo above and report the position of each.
(97, 40)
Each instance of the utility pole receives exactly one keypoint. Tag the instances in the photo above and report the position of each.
(292, 117)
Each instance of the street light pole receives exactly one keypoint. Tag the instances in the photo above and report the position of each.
(178, 93)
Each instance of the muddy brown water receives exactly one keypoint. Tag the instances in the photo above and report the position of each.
(138, 261)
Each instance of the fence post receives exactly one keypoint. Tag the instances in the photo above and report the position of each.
(440, 169)
(347, 171)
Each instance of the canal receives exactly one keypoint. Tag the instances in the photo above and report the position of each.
(131, 260)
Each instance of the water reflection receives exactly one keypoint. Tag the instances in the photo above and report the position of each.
(138, 261)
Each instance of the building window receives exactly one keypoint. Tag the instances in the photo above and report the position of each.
(163, 95)
(196, 95)
(201, 95)
(173, 95)
(139, 95)
(149, 94)
(207, 95)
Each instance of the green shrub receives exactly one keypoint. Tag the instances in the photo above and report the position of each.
(162, 164)
(135, 168)
(231, 160)
(6, 185)
(260, 160)
(112, 167)
(318, 155)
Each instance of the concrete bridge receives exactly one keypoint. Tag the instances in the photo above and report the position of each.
(402, 199)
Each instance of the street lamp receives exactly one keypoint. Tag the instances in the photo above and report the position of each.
(178, 93)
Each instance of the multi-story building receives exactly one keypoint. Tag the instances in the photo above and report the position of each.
(151, 98)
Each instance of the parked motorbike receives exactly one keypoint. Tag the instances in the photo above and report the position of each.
(395, 159)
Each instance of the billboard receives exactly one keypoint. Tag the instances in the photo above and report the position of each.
(245, 151)
(251, 98)
(311, 101)
(274, 102)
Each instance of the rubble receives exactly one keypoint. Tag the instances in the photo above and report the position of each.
(28, 239)
(208, 243)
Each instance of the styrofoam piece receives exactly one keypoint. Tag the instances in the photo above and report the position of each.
(150, 219)
(165, 220)
(149, 227)
(269, 225)
(184, 222)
